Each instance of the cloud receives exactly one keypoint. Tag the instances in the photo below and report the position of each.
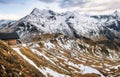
(10, 16)
(90, 4)
(5, 1)
(73, 3)
(12, 1)
(112, 5)
(67, 3)
(47, 1)
(103, 6)
(84, 6)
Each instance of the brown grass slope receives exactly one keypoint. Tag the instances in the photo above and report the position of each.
(12, 65)
(92, 57)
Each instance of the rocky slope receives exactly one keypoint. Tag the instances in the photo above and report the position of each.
(55, 55)
(13, 65)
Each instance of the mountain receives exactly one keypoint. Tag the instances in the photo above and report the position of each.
(5, 24)
(69, 23)
(63, 45)
(56, 55)
(47, 21)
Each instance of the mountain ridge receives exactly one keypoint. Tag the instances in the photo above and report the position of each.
(64, 45)
(70, 23)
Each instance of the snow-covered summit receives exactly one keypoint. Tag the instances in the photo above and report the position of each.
(37, 11)
(69, 23)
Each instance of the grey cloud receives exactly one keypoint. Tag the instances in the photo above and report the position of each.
(5, 1)
(67, 3)
(47, 1)
(11, 2)
(111, 5)
(73, 3)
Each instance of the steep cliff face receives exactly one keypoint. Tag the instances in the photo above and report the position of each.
(13, 65)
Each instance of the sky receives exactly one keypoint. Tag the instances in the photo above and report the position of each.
(16, 9)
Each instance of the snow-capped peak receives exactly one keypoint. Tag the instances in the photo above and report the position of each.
(37, 11)
(68, 23)
(116, 13)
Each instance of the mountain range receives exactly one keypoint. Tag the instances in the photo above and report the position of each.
(68, 23)
(66, 44)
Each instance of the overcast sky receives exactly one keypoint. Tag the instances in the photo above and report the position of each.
(16, 9)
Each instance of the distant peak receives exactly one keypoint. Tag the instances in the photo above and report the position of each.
(35, 10)
(116, 13)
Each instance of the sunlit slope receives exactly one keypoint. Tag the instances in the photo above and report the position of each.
(13, 65)
(62, 56)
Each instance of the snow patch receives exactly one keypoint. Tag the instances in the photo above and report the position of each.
(54, 73)
(42, 54)
(27, 59)
(49, 45)
(85, 69)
